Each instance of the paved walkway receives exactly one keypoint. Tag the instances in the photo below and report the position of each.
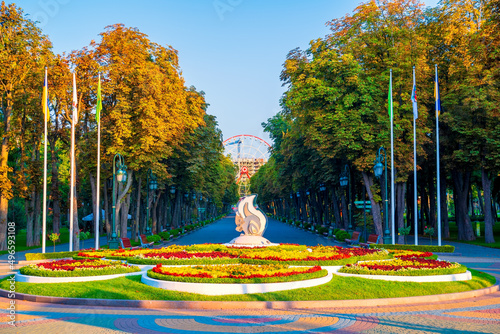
(470, 315)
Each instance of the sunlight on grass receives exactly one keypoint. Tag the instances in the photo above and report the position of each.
(339, 288)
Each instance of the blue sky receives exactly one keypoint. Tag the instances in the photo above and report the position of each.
(233, 50)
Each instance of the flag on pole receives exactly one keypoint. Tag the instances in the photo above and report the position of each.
(437, 96)
(98, 107)
(45, 98)
(389, 96)
(414, 97)
(75, 102)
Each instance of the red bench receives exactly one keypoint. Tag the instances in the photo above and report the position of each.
(354, 239)
(144, 241)
(372, 239)
(125, 243)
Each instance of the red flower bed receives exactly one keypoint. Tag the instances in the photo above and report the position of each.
(70, 265)
(413, 256)
(417, 263)
(185, 255)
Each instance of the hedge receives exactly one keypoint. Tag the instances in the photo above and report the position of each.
(420, 248)
(153, 238)
(45, 256)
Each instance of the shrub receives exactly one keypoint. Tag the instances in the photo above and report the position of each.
(164, 235)
(44, 256)
(175, 232)
(420, 248)
(342, 235)
(322, 230)
(153, 238)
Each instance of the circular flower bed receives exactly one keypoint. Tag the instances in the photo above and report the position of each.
(74, 268)
(236, 273)
(407, 266)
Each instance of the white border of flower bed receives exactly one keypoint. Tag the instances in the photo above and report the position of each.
(216, 289)
(43, 279)
(422, 279)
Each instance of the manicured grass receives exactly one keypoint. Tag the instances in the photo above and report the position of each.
(21, 240)
(339, 288)
(479, 240)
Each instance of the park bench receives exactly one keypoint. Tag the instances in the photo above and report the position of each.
(125, 243)
(144, 242)
(354, 239)
(372, 239)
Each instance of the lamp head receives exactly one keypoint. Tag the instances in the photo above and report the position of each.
(378, 169)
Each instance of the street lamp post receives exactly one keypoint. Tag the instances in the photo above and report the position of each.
(378, 169)
(120, 176)
(345, 180)
(151, 184)
(169, 224)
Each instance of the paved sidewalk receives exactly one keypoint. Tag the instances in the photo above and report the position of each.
(468, 315)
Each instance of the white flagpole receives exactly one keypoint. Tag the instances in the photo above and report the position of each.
(438, 186)
(415, 115)
(98, 181)
(393, 202)
(45, 114)
(74, 120)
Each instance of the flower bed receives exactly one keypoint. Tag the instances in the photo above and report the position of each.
(219, 254)
(236, 273)
(75, 268)
(319, 255)
(404, 267)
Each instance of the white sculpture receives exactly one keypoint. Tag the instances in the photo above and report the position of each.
(249, 219)
(252, 222)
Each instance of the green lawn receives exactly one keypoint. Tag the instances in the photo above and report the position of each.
(479, 240)
(21, 240)
(339, 288)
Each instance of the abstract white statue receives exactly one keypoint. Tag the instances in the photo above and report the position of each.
(252, 222)
(249, 219)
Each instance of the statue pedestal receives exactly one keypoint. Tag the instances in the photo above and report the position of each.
(250, 241)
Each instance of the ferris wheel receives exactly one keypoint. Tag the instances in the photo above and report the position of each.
(248, 153)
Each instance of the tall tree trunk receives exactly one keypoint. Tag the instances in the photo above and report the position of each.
(119, 202)
(377, 217)
(461, 182)
(176, 210)
(445, 233)
(93, 189)
(124, 215)
(138, 208)
(5, 183)
(55, 193)
(488, 217)
(335, 208)
(107, 211)
(154, 213)
(29, 204)
(410, 207)
(432, 203)
(37, 219)
(400, 208)
(345, 213)
(424, 207)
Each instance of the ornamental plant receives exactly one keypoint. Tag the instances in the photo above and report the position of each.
(54, 237)
(429, 231)
(404, 231)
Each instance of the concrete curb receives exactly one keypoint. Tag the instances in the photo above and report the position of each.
(254, 305)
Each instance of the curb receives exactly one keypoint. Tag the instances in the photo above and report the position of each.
(254, 305)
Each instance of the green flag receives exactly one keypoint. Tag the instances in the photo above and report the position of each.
(389, 97)
(98, 107)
